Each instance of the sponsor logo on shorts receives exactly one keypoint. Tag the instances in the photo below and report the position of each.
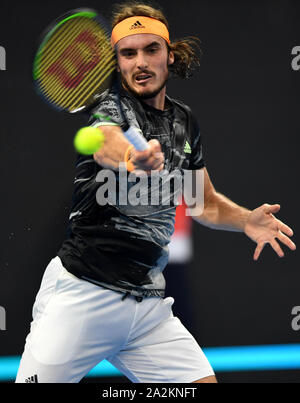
(32, 379)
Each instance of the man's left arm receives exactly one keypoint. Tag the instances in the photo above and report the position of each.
(260, 225)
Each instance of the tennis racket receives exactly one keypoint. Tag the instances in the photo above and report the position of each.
(75, 64)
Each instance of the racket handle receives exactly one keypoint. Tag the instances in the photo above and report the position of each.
(136, 138)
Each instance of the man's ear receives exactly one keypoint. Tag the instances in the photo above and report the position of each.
(171, 58)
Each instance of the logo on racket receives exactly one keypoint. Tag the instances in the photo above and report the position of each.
(76, 61)
(2, 58)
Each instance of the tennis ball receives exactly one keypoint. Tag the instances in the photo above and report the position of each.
(88, 140)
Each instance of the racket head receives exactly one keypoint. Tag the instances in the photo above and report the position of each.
(74, 62)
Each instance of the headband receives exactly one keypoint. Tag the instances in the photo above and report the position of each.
(139, 25)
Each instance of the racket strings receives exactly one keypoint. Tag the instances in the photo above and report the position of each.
(104, 73)
(66, 53)
(70, 61)
(75, 61)
(78, 96)
(59, 44)
(54, 44)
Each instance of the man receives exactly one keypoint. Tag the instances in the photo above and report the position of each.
(102, 297)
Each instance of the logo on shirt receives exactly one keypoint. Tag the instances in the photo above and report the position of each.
(137, 25)
(187, 148)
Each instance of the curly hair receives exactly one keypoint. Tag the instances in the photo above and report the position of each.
(186, 51)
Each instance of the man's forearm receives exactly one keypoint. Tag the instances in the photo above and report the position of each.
(223, 214)
(113, 149)
(117, 149)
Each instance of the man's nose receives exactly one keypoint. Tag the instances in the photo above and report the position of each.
(141, 61)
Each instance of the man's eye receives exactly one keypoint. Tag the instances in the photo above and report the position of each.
(128, 54)
(152, 50)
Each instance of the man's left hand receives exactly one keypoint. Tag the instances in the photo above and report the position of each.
(262, 227)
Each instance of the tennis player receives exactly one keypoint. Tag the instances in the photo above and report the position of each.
(102, 296)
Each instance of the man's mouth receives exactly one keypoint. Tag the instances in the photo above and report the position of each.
(142, 78)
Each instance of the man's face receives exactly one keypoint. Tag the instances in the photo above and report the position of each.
(143, 63)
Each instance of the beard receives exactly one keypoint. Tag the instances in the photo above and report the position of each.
(145, 95)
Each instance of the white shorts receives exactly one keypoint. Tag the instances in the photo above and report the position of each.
(77, 324)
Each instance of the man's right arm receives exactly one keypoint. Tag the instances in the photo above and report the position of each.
(113, 151)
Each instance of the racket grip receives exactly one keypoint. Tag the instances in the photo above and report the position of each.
(136, 138)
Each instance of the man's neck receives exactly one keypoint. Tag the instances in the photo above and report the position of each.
(157, 102)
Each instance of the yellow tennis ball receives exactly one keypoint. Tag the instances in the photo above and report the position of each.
(88, 140)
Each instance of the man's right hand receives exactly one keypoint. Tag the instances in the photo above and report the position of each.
(115, 146)
(149, 160)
